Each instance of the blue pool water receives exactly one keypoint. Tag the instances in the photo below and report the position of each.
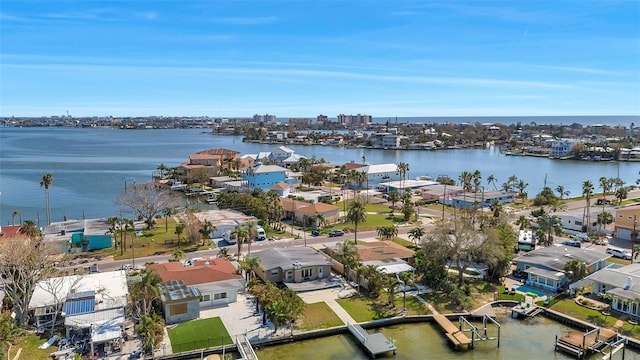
(528, 289)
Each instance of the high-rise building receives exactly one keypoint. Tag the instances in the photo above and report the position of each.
(354, 120)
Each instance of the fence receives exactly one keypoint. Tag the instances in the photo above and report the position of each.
(202, 344)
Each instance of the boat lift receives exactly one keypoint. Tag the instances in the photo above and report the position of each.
(479, 333)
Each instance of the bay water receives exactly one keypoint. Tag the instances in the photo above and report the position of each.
(91, 166)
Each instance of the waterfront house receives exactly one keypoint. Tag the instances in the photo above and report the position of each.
(292, 266)
(627, 219)
(545, 267)
(91, 306)
(212, 161)
(224, 220)
(179, 301)
(379, 173)
(388, 256)
(622, 283)
(92, 235)
(217, 280)
(280, 154)
(481, 199)
(562, 148)
(263, 177)
(436, 192)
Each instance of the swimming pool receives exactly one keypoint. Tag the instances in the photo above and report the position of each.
(525, 289)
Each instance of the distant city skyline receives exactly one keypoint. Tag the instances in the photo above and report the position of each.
(303, 58)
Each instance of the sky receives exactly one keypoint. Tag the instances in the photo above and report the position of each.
(304, 58)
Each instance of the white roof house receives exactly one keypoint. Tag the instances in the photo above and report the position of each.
(110, 289)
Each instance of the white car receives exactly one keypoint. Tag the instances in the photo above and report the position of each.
(619, 253)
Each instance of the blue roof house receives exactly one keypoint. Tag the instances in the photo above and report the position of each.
(265, 176)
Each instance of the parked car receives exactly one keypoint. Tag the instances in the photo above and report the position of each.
(619, 253)
(603, 201)
(336, 233)
(571, 243)
(315, 232)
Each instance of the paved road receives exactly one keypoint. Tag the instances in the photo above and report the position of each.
(308, 240)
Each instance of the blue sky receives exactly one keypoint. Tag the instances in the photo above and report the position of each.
(304, 58)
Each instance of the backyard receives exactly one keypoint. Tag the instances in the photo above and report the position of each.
(318, 316)
(197, 334)
(362, 308)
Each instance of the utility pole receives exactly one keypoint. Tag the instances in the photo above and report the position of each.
(634, 235)
(444, 199)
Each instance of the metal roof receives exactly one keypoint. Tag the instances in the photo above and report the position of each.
(177, 290)
(83, 321)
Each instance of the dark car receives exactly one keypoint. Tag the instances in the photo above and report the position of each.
(571, 243)
(315, 232)
(135, 355)
(336, 233)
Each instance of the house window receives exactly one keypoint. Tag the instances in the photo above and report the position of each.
(220, 296)
(306, 273)
(205, 298)
(275, 272)
(579, 223)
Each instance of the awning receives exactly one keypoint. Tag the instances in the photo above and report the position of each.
(396, 268)
(105, 333)
(97, 318)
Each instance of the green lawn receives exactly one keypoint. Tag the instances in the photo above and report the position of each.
(414, 306)
(29, 345)
(318, 316)
(503, 296)
(197, 334)
(569, 307)
(363, 309)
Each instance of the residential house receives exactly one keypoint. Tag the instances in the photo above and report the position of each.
(526, 240)
(481, 199)
(311, 214)
(217, 280)
(212, 161)
(378, 173)
(93, 235)
(622, 283)
(264, 176)
(578, 220)
(545, 267)
(9, 231)
(292, 265)
(439, 192)
(280, 154)
(179, 301)
(290, 206)
(224, 220)
(388, 256)
(563, 147)
(281, 188)
(293, 159)
(627, 219)
(90, 305)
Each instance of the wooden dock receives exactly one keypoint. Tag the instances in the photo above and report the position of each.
(452, 332)
(528, 310)
(375, 343)
(580, 343)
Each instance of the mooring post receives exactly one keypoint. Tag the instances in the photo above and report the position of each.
(499, 336)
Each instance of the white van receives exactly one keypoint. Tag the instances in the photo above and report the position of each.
(229, 237)
(261, 235)
(191, 261)
(619, 253)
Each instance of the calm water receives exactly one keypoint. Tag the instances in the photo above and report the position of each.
(91, 166)
(524, 120)
(520, 339)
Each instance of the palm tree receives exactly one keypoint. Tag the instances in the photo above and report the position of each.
(113, 225)
(394, 197)
(476, 178)
(587, 192)
(167, 212)
(357, 214)
(30, 229)
(163, 170)
(604, 218)
(387, 232)
(251, 234)
(179, 230)
(562, 192)
(523, 222)
(549, 224)
(241, 234)
(348, 254)
(146, 290)
(251, 264)
(416, 235)
(206, 229)
(151, 330)
(491, 180)
(403, 168)
(496, 207)
(47, 180)
(465, 180)
(406, 277)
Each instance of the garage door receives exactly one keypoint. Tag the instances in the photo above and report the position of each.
(623, 234)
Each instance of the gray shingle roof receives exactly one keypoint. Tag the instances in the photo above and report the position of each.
(555, 257)
(286, 258)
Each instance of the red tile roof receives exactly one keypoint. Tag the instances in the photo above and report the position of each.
(10, 230)
(279, 186)
(214, 153)
(217, 270)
